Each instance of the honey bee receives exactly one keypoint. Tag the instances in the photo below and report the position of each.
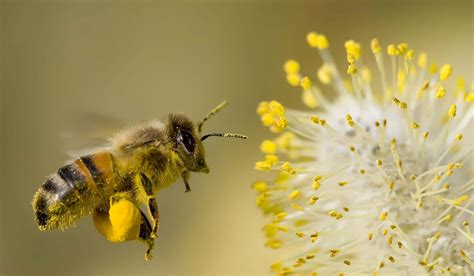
(135, 165)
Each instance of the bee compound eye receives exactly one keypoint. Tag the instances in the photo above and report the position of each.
(188, 141)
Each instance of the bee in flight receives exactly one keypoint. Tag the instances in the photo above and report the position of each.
(137, 163)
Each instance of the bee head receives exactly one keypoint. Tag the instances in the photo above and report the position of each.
(187, 139)
(187, 143)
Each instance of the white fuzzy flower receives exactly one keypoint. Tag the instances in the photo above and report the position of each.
(376, 179)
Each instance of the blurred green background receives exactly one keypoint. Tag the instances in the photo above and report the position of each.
(137, 60)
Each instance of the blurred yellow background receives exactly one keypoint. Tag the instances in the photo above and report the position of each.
(137, 60)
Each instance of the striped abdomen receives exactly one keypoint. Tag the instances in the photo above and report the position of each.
(74, 191)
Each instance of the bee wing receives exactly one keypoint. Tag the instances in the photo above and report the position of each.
(87, 132)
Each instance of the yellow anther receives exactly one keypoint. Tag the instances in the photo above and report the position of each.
(274, 244)
(375, 46)
(381, 264)
(414, 125)
(390, 240)
(315, 119)
(300, 234)
(392, 259)
(301, 260)
(459, 137)
(349, 120)
(351, 69)
(317, 40)
(291, 66)
(305, 83)
(452, 111)
(445, 71)
(259, 186)
(370, 236)
(385, 232)
(287, 168)
(310, 256)
(312, 39)
(333, 252)
(271, 159)
(268, 146)
(352, 148)
(293, 79)
(335, 214)
(422, 60)
(433, 68)
(295, 194)
(352, 48)
(392, 50)
(280, 216)
(309, 99)
(324, 74)
(383, 216)
(393, 226)
(314, 237)
(316, 185)
(460, 200)
(323, 42)
(297, 207)
(313, 200)
(263, 107)
(402, 48)
(465, 223)
(347, 262)
(343, 183)
(391, 185)
(413, 177)
(267, 119)
(400, 244)
(425, 135)
(440, 93)
(377, 124)
(317, 178)
(409, 55)
(345, 209)
(379, 162)
(362, 171)
(470, 97)
(263, 166)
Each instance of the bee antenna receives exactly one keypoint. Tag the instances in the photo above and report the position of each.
(210, 114)
(231, 135)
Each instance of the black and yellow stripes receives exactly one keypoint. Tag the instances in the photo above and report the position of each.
(73, 191)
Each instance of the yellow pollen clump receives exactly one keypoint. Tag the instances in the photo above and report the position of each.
(445, 71)
(353, 49)
(375, 46)
(268, 147)
(409, 55)
(291, 66)
(271, 159)
(452, 111)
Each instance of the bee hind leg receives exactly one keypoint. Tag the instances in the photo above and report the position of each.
(145, 236)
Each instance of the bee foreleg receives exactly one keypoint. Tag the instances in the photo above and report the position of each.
(145, 235)
(185, 176)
